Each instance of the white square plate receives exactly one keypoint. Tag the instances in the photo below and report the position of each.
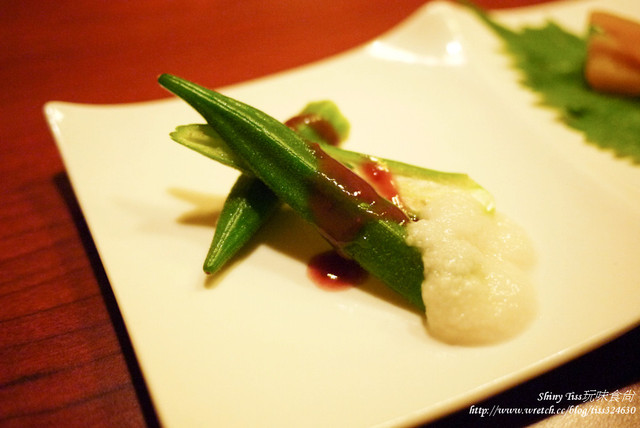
(262, 346)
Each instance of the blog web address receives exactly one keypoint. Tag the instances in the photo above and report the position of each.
(616, 403)
(497, 410)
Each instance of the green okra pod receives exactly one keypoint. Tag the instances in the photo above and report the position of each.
(204, 140)
(346, 210)
(248, 206)
(250, 203)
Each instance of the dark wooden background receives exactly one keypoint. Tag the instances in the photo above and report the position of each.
(65, 359)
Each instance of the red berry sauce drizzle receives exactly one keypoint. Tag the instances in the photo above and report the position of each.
(330, 270)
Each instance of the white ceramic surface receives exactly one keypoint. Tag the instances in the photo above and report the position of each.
(262, 346)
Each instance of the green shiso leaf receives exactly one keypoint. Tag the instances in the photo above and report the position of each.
(552, 62)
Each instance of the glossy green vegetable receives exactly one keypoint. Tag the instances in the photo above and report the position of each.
(289, 166)
(204, 140)
(250, 203)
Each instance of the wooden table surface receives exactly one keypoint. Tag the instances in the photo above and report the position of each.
(65, 359)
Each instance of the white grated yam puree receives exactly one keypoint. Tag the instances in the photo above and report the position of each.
(476, 289)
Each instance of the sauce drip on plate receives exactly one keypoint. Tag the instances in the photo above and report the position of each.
(331, 271)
